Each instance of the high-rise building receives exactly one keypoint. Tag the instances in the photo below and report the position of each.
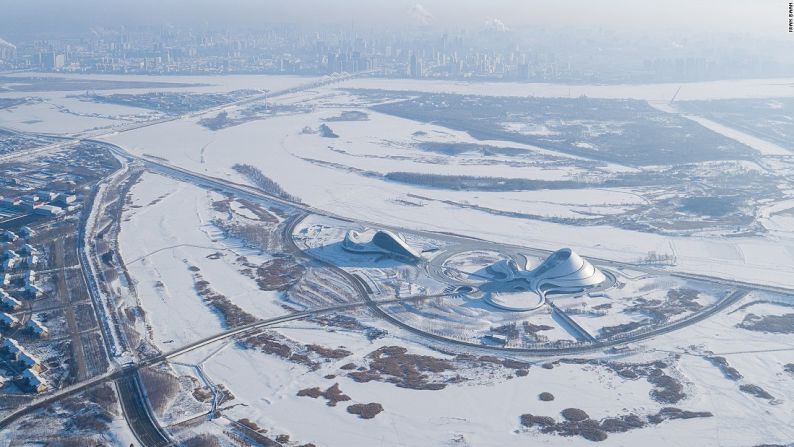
(415, 67)
(8, 51)
(52, 61)
(334, 63)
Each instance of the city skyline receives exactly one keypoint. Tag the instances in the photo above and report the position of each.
(493, 52)
(396, 223)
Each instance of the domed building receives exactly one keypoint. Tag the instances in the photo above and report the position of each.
(565, 271)
(515, 288)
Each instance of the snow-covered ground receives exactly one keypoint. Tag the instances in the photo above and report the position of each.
(166, 238)
(435, 417)
(458, 411)
(745, 88)
(60, 112)
(169, 242)
(203, 84)
(279, 148)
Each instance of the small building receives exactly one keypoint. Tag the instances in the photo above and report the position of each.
(29, 277)
(48, 210)
(26, 231)
(9, 236)
(48, 196)
(36, 328)
(10, 202)
(32, 206)
(9, 264)
(497, 339)
(28, 250)
(8, 254)
(5, 279)
(65, 199)
(10, 347)
(34, 381)
(31, 198)
(27, 360)
(31, 260)
(12, 350)
(33, 291)
(7, 320)
(8, 301)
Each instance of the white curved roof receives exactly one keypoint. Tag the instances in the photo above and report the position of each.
(358, 238)
(379, 241)
(565, 268)
(505, 269)
(517, 301)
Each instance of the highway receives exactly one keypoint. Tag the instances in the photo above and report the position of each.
(62, 143)
(123, 372)
(137, 412)
(134, 403)
(255, 195)
(148, 426)
(582, 333)
(69, 141)
(127, 381)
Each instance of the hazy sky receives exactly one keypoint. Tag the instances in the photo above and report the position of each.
(762, 17)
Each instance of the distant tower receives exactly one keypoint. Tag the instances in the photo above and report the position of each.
(52, 61)
(8, 51)
(334, 63)
(415, 67)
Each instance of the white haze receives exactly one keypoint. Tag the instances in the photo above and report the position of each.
(760, 17)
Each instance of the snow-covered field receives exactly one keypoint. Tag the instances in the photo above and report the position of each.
(202, 83)
(166, 238)
(175, 250)
(745, 88)
(60, 112)
(435, 417)
(381, 144)
(279, 148)
(458, 411)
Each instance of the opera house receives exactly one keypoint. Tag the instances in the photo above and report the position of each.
(565, 271)
(562, 272)
(382, 242)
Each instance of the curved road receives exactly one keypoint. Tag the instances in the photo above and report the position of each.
(256, 195)
(127, 380)
(592, 345)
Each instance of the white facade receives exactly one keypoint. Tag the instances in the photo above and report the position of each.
(380, 242)
(48, 210)
(565, 269)
(563, 272)
(9, 264)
